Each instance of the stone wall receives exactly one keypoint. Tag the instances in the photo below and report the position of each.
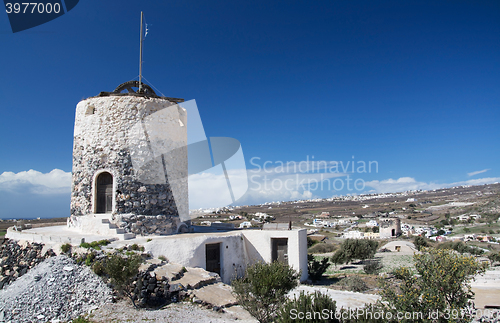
(149, 225)
(141, 142)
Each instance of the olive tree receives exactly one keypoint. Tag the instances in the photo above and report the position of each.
(262, 290)
(122, 271)
(439, 290)
(352, 249)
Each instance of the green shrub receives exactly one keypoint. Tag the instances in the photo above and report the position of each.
(162, 258)
(66, 247)
(99, 268)
(262, 291)
(352, 249)
(316, 268)
(460, 247)
(311, 242)
(85, 245)
(122, 270)
(318, 303)
(322, 248)
(494, 257)
(134, 247)
(442, 285)
(90, 258)
(420, 242)
(354, 284)
(372, 266)
(81, 319)
(149, 239)
(95, 244)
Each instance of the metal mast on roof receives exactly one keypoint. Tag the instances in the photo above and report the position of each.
(140, 60)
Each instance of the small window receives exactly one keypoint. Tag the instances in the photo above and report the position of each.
(90, 110)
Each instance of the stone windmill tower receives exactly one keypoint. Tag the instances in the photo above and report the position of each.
(129, 163)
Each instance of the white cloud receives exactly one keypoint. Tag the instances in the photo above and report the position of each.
(32, 181)
(409, 183)
(478, 172)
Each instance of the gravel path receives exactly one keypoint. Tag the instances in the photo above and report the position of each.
(55, 289)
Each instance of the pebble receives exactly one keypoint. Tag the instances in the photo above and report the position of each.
(71, 293)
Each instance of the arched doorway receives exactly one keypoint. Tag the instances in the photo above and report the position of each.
(104, 190)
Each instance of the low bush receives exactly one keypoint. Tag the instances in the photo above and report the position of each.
(372, 266)
(99, 268)
(81, 319)
(65, 248)
(308, 303)
(122, 270)
(90, 258)
(420, 242)
(354, 284)
(263, 289)
(494, 257)
(311, 242)
(95, 244)
(322, 248)
(460, 247)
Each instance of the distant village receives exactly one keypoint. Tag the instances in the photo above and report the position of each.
(370, 225)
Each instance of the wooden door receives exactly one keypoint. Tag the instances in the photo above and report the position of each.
(212, 253)
(280, 250)
(104, 189)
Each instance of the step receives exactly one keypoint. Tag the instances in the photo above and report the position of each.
(126, 236)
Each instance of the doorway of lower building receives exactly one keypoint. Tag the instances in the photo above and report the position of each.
(104, 190)
(212, 254)
(280, 250)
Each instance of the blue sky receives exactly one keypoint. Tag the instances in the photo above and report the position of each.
(412, 85)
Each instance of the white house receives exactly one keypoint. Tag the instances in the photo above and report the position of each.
(354, 235)
(229, 253)
(372, 223)
(263, 216)
(245, 224)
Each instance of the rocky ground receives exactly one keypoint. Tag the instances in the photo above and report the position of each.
(18, 258)
(56, 289)
(176, 312)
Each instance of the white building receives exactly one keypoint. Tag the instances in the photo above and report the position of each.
(229, 253)
(245, 224)
(353, 235)
(372, 223)
(263, 216)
